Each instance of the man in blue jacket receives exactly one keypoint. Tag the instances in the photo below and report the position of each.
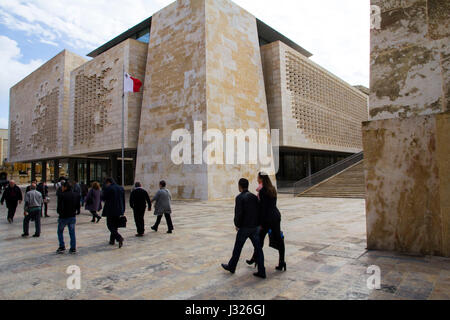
(114, 197)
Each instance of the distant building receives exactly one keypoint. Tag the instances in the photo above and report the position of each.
(3, 146)
(200, 60)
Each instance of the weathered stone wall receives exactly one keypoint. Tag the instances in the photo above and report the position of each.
(174, 97)
(96, 100)
(407, 152)
(235, 92)
(410, 59)
(39, 107)
(313, 108)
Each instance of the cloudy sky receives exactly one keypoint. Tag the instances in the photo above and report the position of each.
(33, 31)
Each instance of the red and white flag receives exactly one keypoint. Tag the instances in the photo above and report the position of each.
(131, 84)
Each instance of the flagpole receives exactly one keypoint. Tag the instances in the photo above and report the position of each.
(123, 127)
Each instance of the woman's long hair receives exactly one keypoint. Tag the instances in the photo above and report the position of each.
(267, 184)
(96, 186)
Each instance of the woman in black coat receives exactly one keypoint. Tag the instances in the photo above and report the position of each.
(270, 218)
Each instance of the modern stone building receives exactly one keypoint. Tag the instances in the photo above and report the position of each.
(201, 61)
(407, 140)
(3, 146)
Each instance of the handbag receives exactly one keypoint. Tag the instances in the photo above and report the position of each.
(273, 242)
(122, 222)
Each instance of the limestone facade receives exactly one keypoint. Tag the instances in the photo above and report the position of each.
(406, 143)
(312, 108)
(3, 145)
(95, 115)
(39, 111)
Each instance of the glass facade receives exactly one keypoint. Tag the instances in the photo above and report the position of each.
(296, 165)
(143, 36)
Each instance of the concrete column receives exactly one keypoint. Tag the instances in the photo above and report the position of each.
(56, 169)
(308, 164)
(113, 166)
(33, 171)
(88, 172)
(44, 171)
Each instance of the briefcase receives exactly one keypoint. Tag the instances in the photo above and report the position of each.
(122, 222)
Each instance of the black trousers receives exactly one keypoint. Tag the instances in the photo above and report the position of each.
(139, 220)
(12, 210)
(276, 233)
(44, 209)
(241, 237)
(113, 226)
(94, 215)
(168, 220)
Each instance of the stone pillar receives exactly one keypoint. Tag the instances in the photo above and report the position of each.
(33, 171)
(88, 172)
(113, 166)
(406, 141)
(308, 165)
(55, 169)
(44, 171)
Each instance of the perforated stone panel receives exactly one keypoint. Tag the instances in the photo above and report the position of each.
(39, 107)
(313, 108)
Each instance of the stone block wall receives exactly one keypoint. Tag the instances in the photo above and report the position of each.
(96, 100)
(313, 108)
(39, 107)
(203, 64)
(406, 143)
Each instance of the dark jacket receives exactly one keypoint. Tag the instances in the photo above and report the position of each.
(12, 196)
(139, 200)
(84, 190)
(77, 188)
(114, 198)
(43, 190)
(246, 213)
(68, 204)
(269, 212)
(93, 200)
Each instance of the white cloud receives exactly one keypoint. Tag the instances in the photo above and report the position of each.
(12, 71)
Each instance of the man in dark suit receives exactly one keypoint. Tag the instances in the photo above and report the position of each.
(67, 205)
(114, 197)
(13, 197)
(246, 220)
(139, 201)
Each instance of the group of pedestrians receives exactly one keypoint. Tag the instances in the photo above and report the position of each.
(255, 217)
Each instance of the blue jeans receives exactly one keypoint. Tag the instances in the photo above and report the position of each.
(70, 223)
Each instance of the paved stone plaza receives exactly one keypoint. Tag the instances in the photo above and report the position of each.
(325, 244)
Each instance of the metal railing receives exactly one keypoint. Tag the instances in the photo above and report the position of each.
(318, 177)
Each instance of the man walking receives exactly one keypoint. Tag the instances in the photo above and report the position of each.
(246, 220)
(13, 196)
(43, 189)
(67, 206)
(114, 197)
(77, 189)
(139, 201)
(162, 207)
(33, 204)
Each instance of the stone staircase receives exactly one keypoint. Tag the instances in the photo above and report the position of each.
(346, 184)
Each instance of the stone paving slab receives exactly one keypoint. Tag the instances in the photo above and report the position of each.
(325, 248)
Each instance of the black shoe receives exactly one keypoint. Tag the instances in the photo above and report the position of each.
(139, 235)
(227, 268)
(10, 220)
(170, 231)
(47, 216)
(98, 219)
(36, 235)
(93, 220)
(120, 243)
(281, 267)
(154, 229)
(260, 275)
(251, 261)
(60, 250)
(73, 251)
(25, 235)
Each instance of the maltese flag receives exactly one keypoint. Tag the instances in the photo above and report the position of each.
(131, 84)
